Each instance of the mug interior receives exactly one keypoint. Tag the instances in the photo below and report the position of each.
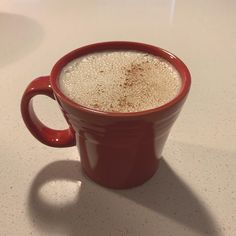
(120, 45)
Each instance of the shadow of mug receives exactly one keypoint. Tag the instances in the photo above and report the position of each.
(165, 194)
(19, 36)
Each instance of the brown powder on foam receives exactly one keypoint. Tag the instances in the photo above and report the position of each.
(123, 81)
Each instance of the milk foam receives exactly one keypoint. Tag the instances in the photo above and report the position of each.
(120, 81)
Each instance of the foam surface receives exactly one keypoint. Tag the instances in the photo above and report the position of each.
(120, 81)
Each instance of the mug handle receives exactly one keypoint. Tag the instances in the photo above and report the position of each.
(50, 137)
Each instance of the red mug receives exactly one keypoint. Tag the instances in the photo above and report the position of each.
(117, 150)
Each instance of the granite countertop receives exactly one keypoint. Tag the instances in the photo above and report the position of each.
(44, 192)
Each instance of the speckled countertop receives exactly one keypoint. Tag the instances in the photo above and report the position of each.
(194, 192)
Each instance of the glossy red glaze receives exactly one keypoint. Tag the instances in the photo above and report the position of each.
(117, 150)
(51, 137)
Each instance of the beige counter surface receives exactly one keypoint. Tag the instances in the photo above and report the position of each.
(42, 189)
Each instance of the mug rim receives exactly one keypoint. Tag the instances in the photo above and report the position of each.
(120, 45)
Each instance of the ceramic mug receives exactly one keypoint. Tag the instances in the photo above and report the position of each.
(117, 150)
